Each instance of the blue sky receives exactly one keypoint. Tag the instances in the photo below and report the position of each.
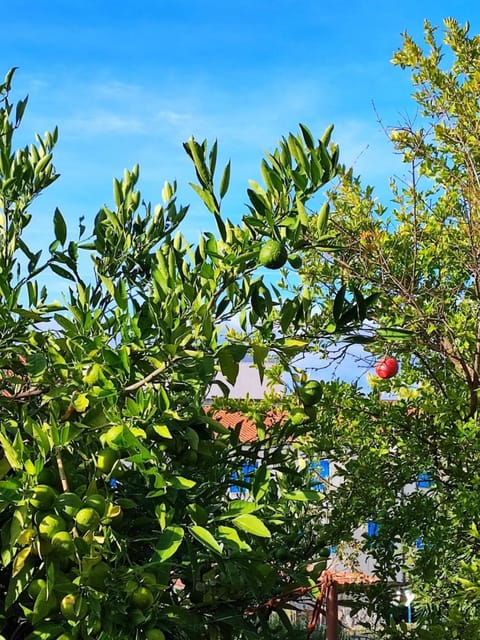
(129, 84)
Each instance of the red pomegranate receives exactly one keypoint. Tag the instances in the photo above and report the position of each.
(386, 368)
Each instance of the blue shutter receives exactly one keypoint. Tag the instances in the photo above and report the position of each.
(373, 529)
(245, 475)
(424, 481)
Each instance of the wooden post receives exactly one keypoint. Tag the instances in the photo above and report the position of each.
(331, 611)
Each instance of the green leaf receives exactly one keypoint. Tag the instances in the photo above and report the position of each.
(162, 430)
(338, 303)
(260, 353)
(36, 364)
(228, 365)
(206, 197)
(225, 180)
(251, 524)
(59, 226)
(10, 453)
(206, 538)
(19, 583)
(20, 560)
(236, 508)
(304, 496)
(168, 542)
(232, 539)
(307, 136)
(394, 333)
(178, 482)
(80, 403)
(63, 273)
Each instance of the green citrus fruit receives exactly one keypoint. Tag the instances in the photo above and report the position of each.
(62, 543)
(68, 504)
(87, 519)
(50, 525)
(65, 636)
(43, 497)
(97, 576)
(273, 254)
(324, 553)
(154, 634)
(73, 607)
(106, 459)
(310, 393)
(97, 502)
(35, 587)
(142, 598)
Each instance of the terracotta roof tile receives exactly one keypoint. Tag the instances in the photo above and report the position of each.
(248, 430)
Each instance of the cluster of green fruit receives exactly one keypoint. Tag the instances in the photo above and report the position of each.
(64, 544)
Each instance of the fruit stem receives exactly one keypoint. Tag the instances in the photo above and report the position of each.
(61, 472)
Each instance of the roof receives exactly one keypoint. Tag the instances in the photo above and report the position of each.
(247, 427)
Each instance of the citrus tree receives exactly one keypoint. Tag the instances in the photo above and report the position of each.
(117, 517)
(420, 257)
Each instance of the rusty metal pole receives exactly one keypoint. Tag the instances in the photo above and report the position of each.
(331, 613)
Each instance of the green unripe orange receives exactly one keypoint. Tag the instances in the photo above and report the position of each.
(87, 519)
(50, 525)
(35, 587)
(310, 393)
(73, 607)
(97, 502)
(63, 544)
(68, 504)
(142, 598)
(273, 254)
(154, 634)
(43, 497)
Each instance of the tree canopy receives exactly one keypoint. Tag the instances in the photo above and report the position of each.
(419, 254)
(117, 513)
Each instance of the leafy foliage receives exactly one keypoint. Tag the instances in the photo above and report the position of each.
(421, 255)
(103, 432)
